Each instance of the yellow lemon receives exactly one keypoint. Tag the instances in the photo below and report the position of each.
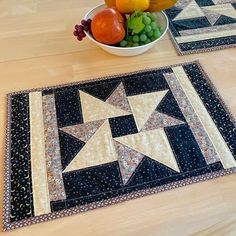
(129, 6)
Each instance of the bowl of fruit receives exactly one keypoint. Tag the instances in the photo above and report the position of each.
(124, 29)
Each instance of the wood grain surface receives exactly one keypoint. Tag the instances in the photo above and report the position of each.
(37, 49)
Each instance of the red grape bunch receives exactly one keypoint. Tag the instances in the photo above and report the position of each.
(79, 29)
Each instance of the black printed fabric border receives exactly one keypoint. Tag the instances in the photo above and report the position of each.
(81, 146)
(202, 25)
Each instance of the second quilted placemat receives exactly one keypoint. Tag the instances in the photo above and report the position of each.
(203, 25)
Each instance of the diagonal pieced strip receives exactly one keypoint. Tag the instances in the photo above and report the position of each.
(211, 16)
(97, 151)
(182, 3)
(192, 10)
(152, 143)
(94, 109)
(119, 99)
(41, 197)
(52, 150)
(83, 131)
(159, 120)
(128, 160)
(143, 105)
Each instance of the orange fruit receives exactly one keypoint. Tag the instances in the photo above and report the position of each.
(159, 5)
(130, 6)
(110, 3)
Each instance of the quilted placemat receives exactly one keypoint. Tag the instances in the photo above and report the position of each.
(76, 147)
(203, 25)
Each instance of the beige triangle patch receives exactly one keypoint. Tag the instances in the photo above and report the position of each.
(143, 106)
(222, 9)
(95, 109)
(153, 144)
(83, 131)
(119, 99)
(97, 151)
(192, 10)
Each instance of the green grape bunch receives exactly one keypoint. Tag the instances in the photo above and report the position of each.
(141, 29)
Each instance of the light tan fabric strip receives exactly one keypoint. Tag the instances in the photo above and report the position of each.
(210, 35)
(220, 145)
(38, 161)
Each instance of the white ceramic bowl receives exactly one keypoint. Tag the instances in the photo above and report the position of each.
(162, 21)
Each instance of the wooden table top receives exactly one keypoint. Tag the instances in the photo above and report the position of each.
(37, 49)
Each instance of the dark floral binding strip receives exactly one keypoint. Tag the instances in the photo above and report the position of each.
(200, 50)
(7, 225)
